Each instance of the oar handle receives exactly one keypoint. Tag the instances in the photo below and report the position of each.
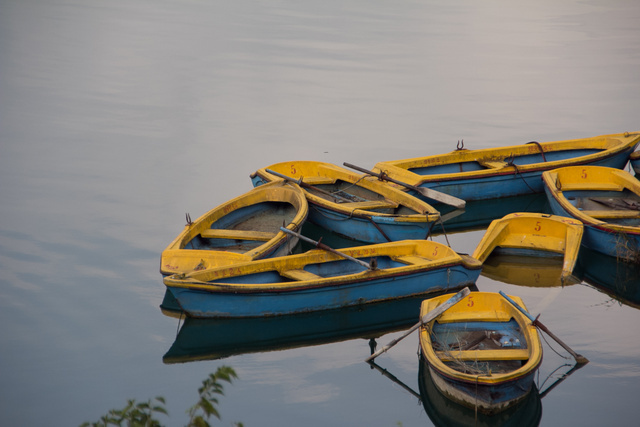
(535, 322)
(381, 176)
(322, 246)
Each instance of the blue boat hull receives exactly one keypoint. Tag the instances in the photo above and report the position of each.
(510, 183)
(379, 229)
(599, 238)
(203, 304)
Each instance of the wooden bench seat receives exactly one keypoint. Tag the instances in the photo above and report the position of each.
(612, 214)
(371, 204)
(484, 355)
(411, 260)
(299, 274)
(591, 186)
(493, 164)
(261, 236)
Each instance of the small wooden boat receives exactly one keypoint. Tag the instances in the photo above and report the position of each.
(606, 200)
(242, 229)
(634, 158)
(533, 234)
(508, 171)
(356, 206)
(320, 280)
(482, 352)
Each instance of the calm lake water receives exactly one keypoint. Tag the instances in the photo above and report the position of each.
(117, 117)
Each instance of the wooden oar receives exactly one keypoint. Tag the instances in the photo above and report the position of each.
(425, 319)
(426, 192)
(328, 249)
(305, 185)
(535, 322)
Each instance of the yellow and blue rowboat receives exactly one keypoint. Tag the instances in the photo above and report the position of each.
(533, 234)
(482, 352)
(321, 280)
(508, 171)
(605, 200)
(242, 229)
(356, 206)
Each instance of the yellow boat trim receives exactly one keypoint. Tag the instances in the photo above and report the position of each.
(483, 355)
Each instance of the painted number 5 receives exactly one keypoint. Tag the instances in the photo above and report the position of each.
(470, 302)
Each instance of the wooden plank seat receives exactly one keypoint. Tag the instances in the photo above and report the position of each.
(591, 186)
(213, 233)
(484, 355)
(372, 204)
(411, 260)
(612, 214)
(493, 164)
(299, 274)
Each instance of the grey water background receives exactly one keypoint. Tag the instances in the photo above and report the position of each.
(117, 117)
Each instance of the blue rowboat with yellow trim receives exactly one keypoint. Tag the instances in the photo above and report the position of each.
(356, 206)
(242, 229)
(508, 171)
(533, 234)
(605, 200)
(482, 352)
(321, 280)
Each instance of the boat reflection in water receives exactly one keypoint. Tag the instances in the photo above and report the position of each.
(444, 412)
(479, 214)
(530, 271)
(618, 279)
(207, 339)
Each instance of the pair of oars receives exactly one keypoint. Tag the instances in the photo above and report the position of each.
(426, 192)
(458, 297)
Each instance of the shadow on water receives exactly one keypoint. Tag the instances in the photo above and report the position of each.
(207, 339)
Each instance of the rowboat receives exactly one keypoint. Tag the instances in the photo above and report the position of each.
(242, 229)
(508, 171)
(606, 200)
(533, 234)
(634, 158)
(482, 352)
(353, 205)
(320, 280)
